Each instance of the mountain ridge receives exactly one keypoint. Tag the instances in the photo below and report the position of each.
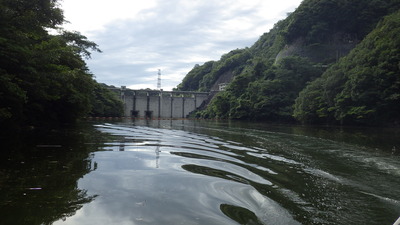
(316, 36)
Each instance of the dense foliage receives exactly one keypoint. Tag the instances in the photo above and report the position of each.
(106, 103)
(193, 78)
(364, 87)
(302, 54)
(43, 77)
(317, 20)
(266, 91)
(202, 78)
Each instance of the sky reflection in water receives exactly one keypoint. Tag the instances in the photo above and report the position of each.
(187, 172)
(160, 176)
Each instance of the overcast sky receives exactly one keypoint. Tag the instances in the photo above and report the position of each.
(138, 37)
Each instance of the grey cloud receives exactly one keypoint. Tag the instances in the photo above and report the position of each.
(172, 37)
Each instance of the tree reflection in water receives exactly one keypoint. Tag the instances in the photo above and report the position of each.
(241, 215)
(39, 173)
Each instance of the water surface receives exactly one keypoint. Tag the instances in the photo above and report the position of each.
(202, 172)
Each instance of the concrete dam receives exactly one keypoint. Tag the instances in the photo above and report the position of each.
(158, 104)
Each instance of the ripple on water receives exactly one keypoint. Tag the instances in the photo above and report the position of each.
(274, 178)
(199, 176)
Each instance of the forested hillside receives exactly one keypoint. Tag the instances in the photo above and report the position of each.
(363, 87)
(43, 77)
(327, 62)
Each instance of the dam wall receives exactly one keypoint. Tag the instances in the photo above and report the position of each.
(158, 104)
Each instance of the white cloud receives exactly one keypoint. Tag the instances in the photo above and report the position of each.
(90, 15)
(140, 37)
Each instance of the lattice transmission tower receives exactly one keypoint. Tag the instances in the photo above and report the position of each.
(159, 79)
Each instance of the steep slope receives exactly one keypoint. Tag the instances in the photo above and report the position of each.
(324, 31)
(268, 76)
(364, 87)
(204, 77)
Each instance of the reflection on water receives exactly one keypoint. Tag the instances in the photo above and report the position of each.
(239, 214)
(203, 172)
(38, 177)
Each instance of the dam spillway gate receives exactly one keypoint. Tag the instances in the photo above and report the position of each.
(160, 104)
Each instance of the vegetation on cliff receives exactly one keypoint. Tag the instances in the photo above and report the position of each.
(43, 77)
(266, 91)
(363, 87)
(296, 71)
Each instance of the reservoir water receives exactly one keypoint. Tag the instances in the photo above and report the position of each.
(200, 172)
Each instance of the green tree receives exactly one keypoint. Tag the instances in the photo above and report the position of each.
(311, 105)
(44, 78)
(281, 67)
(266, 92)
(364, 87)
(191, 82)
(105, 103)
(371, 92)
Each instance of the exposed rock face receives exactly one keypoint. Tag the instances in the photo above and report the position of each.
(324, 53)
(224, 78)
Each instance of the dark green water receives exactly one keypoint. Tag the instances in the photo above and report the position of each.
(200, 172)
